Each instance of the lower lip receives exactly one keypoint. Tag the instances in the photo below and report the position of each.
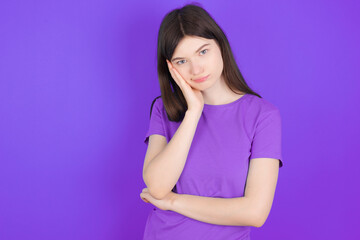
(202, 79)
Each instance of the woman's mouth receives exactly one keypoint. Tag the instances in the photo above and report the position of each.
(201, 79)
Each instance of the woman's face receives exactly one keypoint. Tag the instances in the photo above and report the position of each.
(196, 57)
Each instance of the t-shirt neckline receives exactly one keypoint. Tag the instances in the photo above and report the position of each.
(226, 104)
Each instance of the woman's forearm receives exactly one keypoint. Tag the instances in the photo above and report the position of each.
(164, 170)
(220, 211)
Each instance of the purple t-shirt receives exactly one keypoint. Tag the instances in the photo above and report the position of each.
(227, 137)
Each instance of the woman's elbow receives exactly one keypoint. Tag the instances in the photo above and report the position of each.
(157, 193)
(260, 220)
(258, 224)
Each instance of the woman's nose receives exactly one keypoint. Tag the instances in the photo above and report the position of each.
(196, 69)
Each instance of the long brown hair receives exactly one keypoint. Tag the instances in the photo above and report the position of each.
(191, 20)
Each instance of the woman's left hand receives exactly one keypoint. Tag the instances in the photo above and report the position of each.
(163, 204)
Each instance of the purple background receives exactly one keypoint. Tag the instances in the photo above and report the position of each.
(76, 83)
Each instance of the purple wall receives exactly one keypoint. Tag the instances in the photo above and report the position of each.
(76, 84)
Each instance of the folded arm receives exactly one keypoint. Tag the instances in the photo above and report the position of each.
(250, 210)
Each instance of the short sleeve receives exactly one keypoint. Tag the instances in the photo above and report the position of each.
(266, 142)
(156, 121)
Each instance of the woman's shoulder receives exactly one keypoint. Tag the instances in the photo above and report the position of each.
(156, 104)
(157, 100)
(260, 104)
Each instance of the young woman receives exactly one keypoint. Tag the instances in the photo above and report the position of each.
(213, 145)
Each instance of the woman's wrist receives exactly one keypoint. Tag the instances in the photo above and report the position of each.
(192, 113)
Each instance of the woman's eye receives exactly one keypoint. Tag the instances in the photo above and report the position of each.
(203, 51)
(180, 62)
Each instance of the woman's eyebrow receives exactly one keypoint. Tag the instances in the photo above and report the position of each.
(195, 52)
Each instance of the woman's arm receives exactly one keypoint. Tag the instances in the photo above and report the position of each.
(250, 210)
(220, 211)
(162, 172)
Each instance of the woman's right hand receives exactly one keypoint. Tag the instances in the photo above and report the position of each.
(193, 97)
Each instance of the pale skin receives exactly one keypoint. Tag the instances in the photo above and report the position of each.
(254, 207)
